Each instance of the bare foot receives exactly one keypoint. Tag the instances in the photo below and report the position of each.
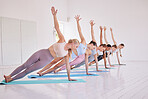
(7, 78)
(40, 74)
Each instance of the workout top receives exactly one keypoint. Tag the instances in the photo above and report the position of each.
(114, 51)
(99, 52)
(80, 50)
(59, 49)
(93, 51)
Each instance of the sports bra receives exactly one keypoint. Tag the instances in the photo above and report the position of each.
(59, 49)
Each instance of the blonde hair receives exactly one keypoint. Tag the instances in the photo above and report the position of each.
(75, 41)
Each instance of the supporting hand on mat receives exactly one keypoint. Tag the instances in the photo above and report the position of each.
(72, 79)
(98, 70)
(112, 65)
(107, 67)
(89, 74)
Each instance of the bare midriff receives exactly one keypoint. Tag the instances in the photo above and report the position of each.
(52, 52)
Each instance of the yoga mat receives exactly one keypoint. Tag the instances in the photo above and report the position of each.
(55, 76)
(42, 82)
(80, 72)
(108, 65)
(92, 68)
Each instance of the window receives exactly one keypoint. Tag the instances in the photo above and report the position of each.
(61, 26)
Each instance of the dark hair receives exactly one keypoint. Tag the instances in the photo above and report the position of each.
(108, 45)
(115, 46)
(122, 44)
(103, 45)
(94, 43)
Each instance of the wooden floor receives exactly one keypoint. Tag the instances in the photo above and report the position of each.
(123, 82)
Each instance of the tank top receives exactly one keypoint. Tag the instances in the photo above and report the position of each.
(59, 49)
(93, 51)
(99, 52)
(80, 50)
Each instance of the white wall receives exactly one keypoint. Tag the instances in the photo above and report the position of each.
(128, 18)
(28, 38)
(11, 46)
(38, 11)
(0, 41)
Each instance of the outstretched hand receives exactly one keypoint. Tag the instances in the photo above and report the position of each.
(104, 28)
(101, 28)
(54, 12)
(110, 29)
(92, 22)
(77, 17)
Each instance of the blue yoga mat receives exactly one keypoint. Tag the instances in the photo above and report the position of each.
(80, 72)
(108, 65)
(92, 68)
(55, 76)
(42, 82)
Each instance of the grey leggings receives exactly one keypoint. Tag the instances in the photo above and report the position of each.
(37, 61)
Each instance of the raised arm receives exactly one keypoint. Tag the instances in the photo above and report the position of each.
(113, 36)
(105, 35)
(83, 41)
(101, 41)
(56, 25)
(92, 30)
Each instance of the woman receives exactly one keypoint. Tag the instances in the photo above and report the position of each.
(100, 49)
(42, 57)
(119, 47)
(114, 48)
(81, 53)
(91, 56)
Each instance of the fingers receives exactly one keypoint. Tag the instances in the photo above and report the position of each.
(101, 28)
(92, 22)
(77, 17)
(54, 12)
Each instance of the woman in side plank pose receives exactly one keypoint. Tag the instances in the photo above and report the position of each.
(114, 48)
(81, 53)
(100, 49)
(119, 47)
(45, 56)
